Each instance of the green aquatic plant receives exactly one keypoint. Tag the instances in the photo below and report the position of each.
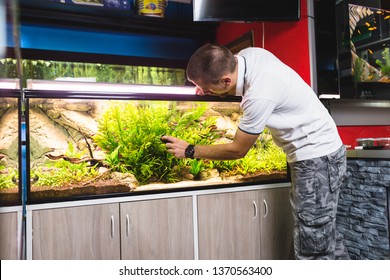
(135, 131)
(358, 70)
(8, 179)
(112, 160)
(196, 166)
(385, 64)
(130, 133)
(63, 172)
(130, 136)
(264, 156)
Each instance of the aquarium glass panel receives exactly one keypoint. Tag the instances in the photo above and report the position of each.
(9, 151)
(85, 147)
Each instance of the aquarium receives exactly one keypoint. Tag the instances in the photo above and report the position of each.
(98, 139)
(9, 142)
(364, 49)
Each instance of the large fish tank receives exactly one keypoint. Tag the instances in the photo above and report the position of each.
(364, 50)
(90, 140)
(10, 187)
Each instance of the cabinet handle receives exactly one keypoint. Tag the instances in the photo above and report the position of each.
(265, 208)
(112, 226)
(255, 208)
(127, 225)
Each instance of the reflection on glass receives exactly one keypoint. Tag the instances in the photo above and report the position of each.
(9, 152)
(369, 33)
(93, 72)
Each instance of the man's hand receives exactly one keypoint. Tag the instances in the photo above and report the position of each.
(175, 146)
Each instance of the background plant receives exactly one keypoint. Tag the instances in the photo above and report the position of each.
(62, 172)
(108, 73)
(358, 70)
(8, 179)
(264, 156)
(385, 64)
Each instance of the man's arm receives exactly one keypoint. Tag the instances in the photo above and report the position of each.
(240, 146)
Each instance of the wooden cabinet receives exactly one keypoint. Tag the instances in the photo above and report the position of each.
(276, 224)
(251, 224)
(157, 229)
(150, 229)
(9, 236)
(229, 226)
(85, 232)
(245, 225)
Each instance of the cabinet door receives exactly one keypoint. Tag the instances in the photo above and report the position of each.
(9, 236)
(85, 232)
(229, 226)
(157, 229)
(276, 224)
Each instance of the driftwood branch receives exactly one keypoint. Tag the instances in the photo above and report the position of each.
(88, 145)
(92, 161)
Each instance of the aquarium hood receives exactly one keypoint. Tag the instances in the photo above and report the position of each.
(61, 85)
(83, 89)
(9, 83)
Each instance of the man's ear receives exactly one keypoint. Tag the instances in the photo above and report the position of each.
(226, 80)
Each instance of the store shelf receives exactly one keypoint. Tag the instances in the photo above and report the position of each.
(81, 16)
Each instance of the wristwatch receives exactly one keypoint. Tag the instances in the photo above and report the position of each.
(190, 151)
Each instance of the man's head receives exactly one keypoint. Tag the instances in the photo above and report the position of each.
(212, 68)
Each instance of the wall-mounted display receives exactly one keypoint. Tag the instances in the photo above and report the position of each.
(246, 10)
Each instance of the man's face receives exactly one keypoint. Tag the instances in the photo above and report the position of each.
(220, 89)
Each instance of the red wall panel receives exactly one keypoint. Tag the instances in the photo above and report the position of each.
(349, 134)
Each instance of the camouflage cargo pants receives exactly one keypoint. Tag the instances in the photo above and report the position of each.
(314, 197)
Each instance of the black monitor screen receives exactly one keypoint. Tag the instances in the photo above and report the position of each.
(246, 10)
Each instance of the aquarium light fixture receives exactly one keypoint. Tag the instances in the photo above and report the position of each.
(107, 87)
(329, 96)
(9, 83)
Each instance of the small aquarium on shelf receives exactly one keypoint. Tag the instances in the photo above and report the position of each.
(364, 49)
(9, 142)
(97, 139)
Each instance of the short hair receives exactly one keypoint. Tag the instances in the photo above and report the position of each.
(209, 63)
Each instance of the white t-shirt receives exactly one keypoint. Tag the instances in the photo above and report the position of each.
(276, 97)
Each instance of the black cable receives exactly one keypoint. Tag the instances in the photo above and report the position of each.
(307, 16)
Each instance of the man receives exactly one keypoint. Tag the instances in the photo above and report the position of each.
(275, 96)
